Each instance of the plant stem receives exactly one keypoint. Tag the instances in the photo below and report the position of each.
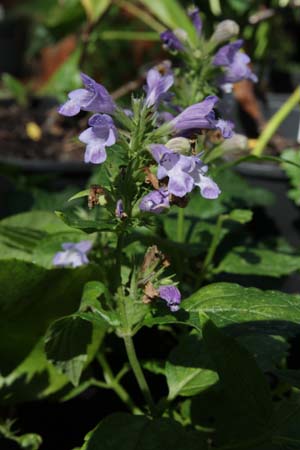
(113, 383)
(139, 375)
(180, 225)
(275, 121)
(212, 248)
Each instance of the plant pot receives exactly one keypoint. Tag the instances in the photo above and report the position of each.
(283, 212)
(13, 41)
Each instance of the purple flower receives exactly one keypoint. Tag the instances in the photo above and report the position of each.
(171, 41)
(171, 295)
(184, 173)
(119, 212)
(74, 254)
(208, 188)
(199, 116)
(101, 133)
(234, 62)
(176, 167)
(155, 202)
(93, 98)
(157, 86)
(196, 19)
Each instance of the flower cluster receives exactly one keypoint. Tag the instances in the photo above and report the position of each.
(102, 131)
(230, 58)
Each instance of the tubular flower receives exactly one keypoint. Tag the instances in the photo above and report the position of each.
(235, 64)
(171, 41)
(101, 133)
(201, 116)
(155, 202)
(94, 98)
(208, 188)
(171, 295)
(157, 87)
(176, 167)
(196, 19)
(73, 254)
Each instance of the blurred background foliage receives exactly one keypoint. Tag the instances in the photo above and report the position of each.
(117, 40)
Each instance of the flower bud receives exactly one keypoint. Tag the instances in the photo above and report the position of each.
(224, 31)
(238, 142)
(181, 35)
(179, 145)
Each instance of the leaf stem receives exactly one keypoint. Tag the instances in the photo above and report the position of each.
(275, 121)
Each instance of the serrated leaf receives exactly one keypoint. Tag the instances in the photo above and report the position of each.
(86, 225)
(255, 261)
(247, 309)
(66, 344)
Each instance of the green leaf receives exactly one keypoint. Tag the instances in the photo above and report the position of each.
(95, 304)
(255, 261)
(28, 441)
(293, 173)
(171, 13)
(42, 221)
(240, 215)
(188, 369)
(139, 432)
(86, 225)
(33, 379)
(28, 305)
(66, 345)
(245, 387)
(247, 309)
(16, 89)
(94, 9)
(269, 351)
(66, 77)
(84, 193)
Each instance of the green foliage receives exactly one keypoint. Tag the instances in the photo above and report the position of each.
(16, 89)
(293, 173)
(67, 345)
(189, 369)
(246, 390)
(247, 309)
(143, 433)
(28, 441)
(256, 261)
(28, 306)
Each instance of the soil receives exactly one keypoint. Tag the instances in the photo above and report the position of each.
(58, 135)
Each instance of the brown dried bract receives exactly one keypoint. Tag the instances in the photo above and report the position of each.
(95, 191)
(149, 292)
(151, 178)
